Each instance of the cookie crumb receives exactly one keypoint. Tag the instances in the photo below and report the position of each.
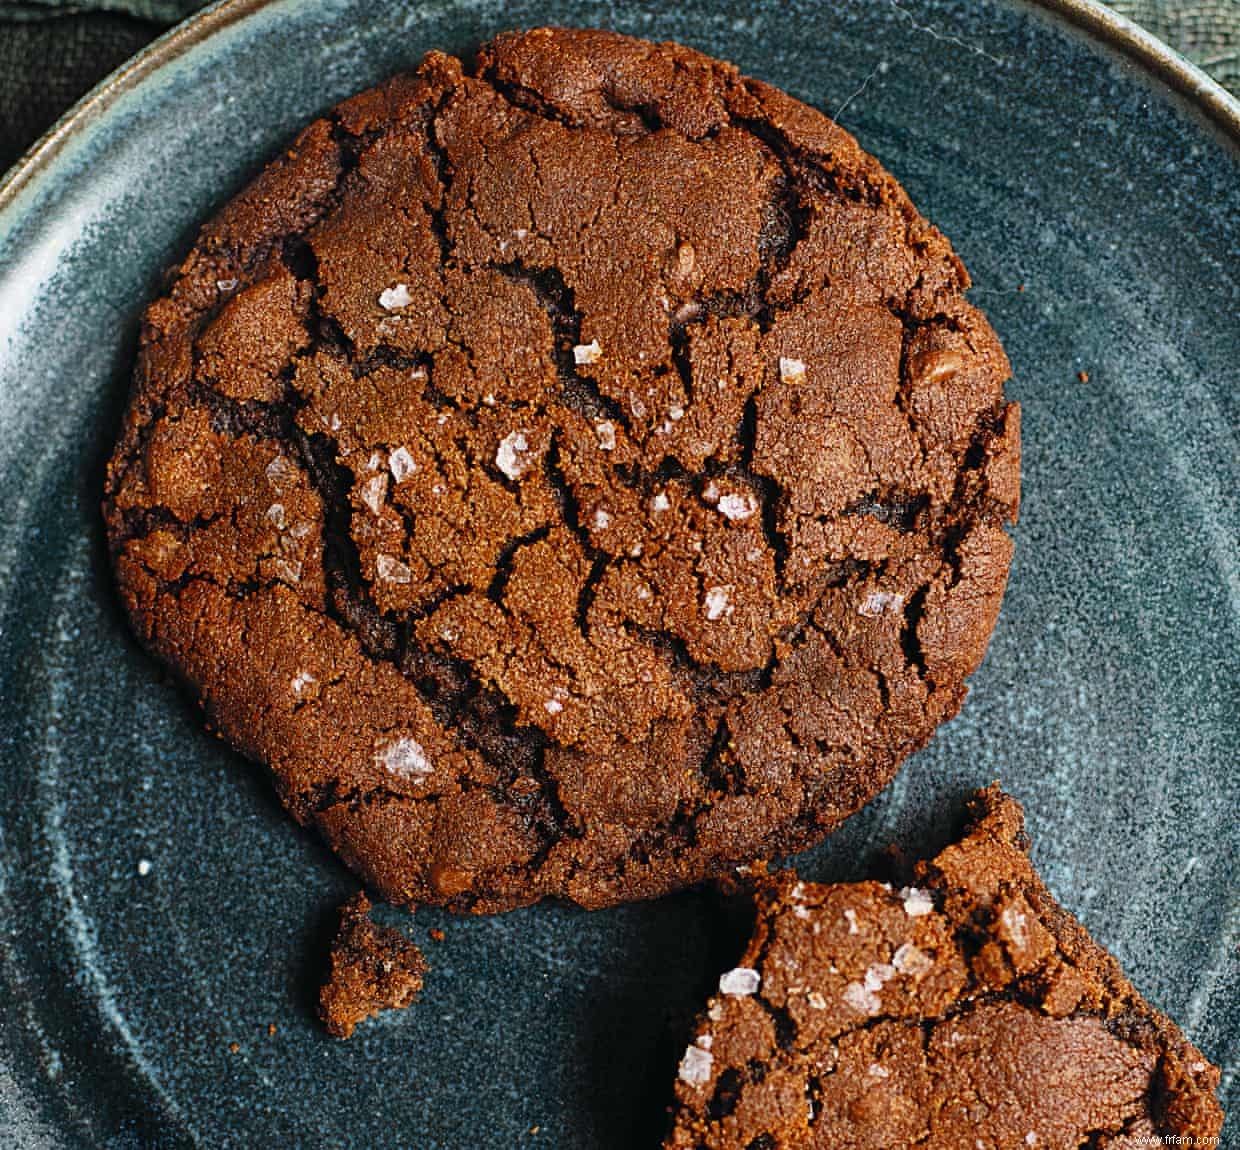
(271, 1030)
(437, 935)
(1083, 376)
(234, 1047)
(373, 968)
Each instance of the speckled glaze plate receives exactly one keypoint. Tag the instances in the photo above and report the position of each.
(158, 912)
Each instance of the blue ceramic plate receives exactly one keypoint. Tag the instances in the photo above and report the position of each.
(157, 907)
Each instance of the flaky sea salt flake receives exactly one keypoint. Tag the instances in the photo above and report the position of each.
(917, 902)
(740, 982)
(606, 432)
(908, 959)
(791, 370)
(405, 758)
(401, 464)
(396, 296)
(1017, 926)
(878, 973)
(717, 603)
(511, 456)
(281, 471)
(695, 1066)
(584, 353)
(392, 570)
(861, 1000)
(878, 602)
(373, 492)
(736, 507)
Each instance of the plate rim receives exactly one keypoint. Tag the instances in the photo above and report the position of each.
(1158, 59)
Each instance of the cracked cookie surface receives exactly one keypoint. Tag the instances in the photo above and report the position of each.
(967, 1011)
(574, 473)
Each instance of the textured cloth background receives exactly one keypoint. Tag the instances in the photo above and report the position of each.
(52, 51)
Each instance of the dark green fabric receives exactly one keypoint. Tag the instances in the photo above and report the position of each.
(157, 11)
(1206, 31)
(53, 51)
(45, 65)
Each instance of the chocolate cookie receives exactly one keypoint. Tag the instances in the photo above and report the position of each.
(373, 968)
(969, 1010)
(573, 474)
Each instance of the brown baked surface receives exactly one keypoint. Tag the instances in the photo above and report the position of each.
(573, 474)
(970, 1010)
(373, 968)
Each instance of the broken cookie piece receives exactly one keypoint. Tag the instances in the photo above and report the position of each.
(966, 1011)
(373, 968)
